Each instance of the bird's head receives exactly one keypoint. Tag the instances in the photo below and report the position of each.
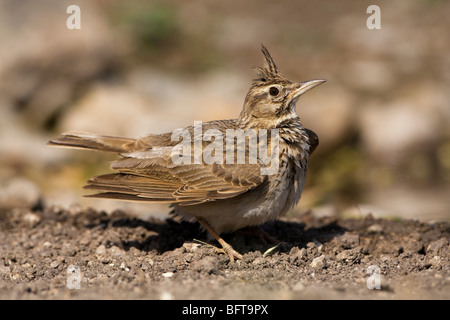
(272, 97)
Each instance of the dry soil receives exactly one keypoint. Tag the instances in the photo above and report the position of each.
(52, 253)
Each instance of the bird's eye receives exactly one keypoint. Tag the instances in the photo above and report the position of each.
(274, 91)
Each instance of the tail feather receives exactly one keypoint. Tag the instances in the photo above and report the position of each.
(91, 141)
(132, 187)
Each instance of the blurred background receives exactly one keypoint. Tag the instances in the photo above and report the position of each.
(139, 67)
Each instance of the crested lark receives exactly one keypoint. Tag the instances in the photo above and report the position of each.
(222, 197)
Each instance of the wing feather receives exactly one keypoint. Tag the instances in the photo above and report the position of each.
(151, 175)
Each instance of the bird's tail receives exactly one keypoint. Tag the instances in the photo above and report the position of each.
(91, 141)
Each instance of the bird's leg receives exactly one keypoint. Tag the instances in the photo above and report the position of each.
(227, 248)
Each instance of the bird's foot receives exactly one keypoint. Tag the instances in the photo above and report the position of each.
(228, 249)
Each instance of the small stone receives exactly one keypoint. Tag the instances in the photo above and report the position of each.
(101, 250)
(47, 244)
(54, 264)
(436, 261)
(342, 255)
(124, 267)
(319, 262)
(375, 228)
(31, 219)
(190, 246)
(168, 274)
(115, 251)
(14, 276)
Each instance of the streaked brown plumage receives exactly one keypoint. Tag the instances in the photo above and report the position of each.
(222, 197)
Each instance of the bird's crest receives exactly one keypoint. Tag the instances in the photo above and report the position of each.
(270, 71)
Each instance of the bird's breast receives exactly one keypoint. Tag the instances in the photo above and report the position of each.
(292, 175)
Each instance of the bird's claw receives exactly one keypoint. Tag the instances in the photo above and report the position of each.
(230, 252)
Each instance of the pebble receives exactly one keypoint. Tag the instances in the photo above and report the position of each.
(31, 219)
(101, 250)
(168, 274)
(124, 267)
(375, 228)
(190, 246)
(319, 262)
(436, 261)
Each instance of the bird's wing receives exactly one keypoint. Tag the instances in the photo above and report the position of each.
(152, 175)
(313, 140)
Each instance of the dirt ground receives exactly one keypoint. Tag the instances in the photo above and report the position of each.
(79, 253)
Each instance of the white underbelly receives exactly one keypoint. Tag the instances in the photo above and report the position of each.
(252, 208)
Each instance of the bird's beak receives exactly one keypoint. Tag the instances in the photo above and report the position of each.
(305, 86)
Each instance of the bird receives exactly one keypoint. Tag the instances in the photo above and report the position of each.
(222, 197)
